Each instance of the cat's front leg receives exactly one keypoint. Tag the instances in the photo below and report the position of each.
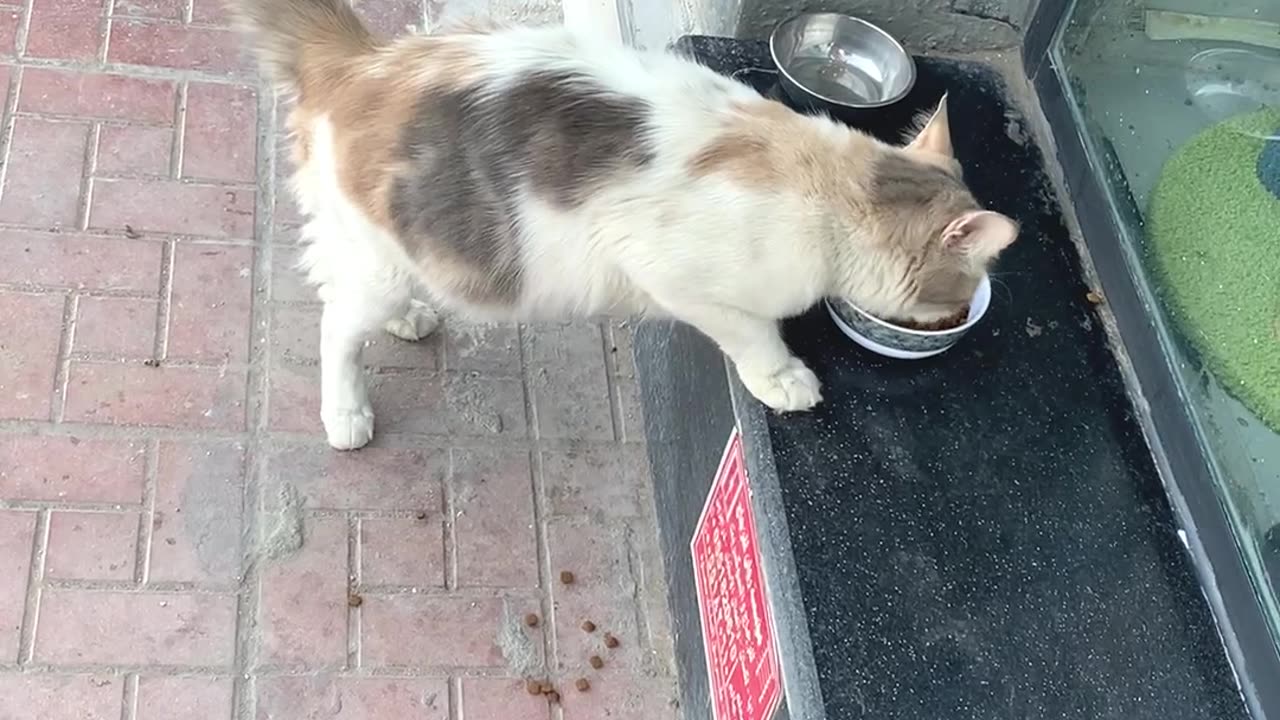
(766, 367)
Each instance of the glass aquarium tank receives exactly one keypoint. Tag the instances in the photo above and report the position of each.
(1179, 102)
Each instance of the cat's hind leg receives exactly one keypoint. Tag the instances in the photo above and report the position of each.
(419, 321)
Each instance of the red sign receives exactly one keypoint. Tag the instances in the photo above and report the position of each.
(737, 626)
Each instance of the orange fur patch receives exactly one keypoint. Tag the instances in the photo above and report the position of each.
(368, 98)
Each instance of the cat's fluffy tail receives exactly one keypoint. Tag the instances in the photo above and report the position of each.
(299, 43)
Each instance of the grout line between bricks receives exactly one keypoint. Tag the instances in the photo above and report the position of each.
(450, 527)
(178, 150)
(85, 201)
(148, 72)
(456, 709)
(104, 29)
(164, 306)
(542, 548)
(62, 372)
(353, 582)
(610, 382)
(23, 30)
(10, 119)
(35, 581)
(257, 408)
(129, 703)
(128, 586)
(146, 518)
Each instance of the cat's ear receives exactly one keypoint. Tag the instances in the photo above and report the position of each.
(935, 136)
(980, 233)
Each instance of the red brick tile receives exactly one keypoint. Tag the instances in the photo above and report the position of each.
(212, 300)
(61, 697)
(295, 334)
(294, 399)
(569, 382)
(296, 338)
(446, 631)
(372, 479)
(79, 627)
(42, 180)
(595, 552)
(221, 139)
(80, 262)
(167, 396)
(350, 698)
(133, 150)
(402, 551)
(17, 531)
(210, 12)
(97, 95)
(452, 404)
(303, 607)
(68, 469)
(28, 353)
(170, 206)
(389, 17)
(116, 326)
(630, 697)
(196, 529)
(92, 546)
(288, 283)
(170, 45)
(489, 349)
(493, 519)
(160, 9)
(504, 699)
(10, 21)
(602, 481)
(65, 29)
(613, 612)
(188, 698)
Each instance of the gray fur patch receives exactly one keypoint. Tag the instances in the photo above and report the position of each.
(898, 181)
(471, 153)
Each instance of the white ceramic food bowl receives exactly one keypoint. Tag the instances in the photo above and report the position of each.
(890, 340)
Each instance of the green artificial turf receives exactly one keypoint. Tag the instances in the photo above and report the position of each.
(1213, 240)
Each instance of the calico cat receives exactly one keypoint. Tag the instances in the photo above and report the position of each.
(521, 173)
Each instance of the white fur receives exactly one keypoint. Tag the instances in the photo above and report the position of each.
(729, 260)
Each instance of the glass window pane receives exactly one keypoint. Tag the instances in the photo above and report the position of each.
(1180, 102)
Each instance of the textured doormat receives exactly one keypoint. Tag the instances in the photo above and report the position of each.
(1213, 238)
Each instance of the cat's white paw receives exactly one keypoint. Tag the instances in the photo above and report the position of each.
(348, 429)
(791, 389)
(420, 321)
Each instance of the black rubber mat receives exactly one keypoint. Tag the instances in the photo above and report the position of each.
(984, 535)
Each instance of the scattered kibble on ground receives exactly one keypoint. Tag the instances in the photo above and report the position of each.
(588, 626)
(553, 696)
(533, 687)
(610, 641)
(566, 577)
(531, 620)
(596, 661)
(582, 684)
(355, 600)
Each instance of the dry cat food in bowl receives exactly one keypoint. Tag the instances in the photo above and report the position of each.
(903, 342)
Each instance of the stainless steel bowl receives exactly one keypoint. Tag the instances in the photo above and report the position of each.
(837, 62)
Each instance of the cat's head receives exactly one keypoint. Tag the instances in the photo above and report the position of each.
(937, 242)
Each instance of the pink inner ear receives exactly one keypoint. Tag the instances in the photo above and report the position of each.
(936, 135)
(980, 231)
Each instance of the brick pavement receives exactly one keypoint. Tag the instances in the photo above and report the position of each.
(176, 540)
